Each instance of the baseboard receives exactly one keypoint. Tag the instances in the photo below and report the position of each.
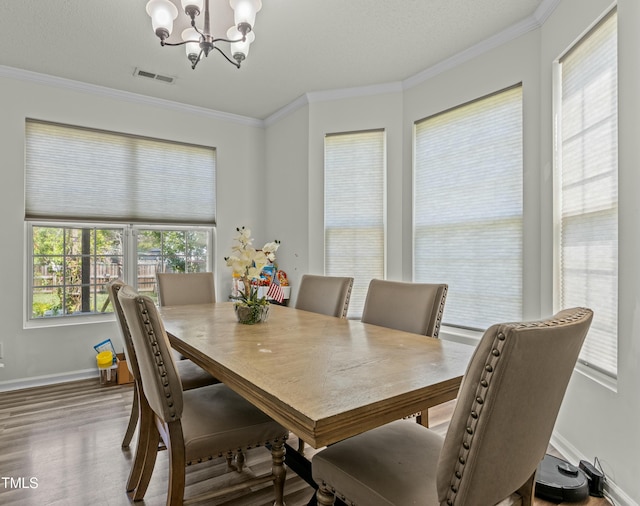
(51, 379)
(614, 493)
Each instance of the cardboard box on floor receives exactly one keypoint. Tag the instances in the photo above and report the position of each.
(124, 375)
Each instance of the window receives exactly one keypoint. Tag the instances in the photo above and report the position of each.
(161, 250)
(468, 208)
(101, 205)
(354, 210)
(72, 263)
(587, 188)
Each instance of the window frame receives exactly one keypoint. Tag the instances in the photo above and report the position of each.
(360, 283)
(592, 371)
(129, 269)
(466, 332)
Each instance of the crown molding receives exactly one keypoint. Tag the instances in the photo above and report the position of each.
(531, 23)
(544, 10)
(94, 89)
(288, 109)
(507, 35)
(329, 95)
(358, 91)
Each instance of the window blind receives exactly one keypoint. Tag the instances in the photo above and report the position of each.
(588, 180)
(468, 208)
(77, 173)
(354, 210)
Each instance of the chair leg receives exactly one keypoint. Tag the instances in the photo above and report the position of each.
(279, 471)
(133, 419)
(144, 433)
(300, 446)
(324, 496)
(526, 491)
(150, 454)
(240, 460)
(422, 418)
(177, 464)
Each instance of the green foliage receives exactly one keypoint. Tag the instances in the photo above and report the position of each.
(176, 250)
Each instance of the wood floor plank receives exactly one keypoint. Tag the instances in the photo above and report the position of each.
(67, 437)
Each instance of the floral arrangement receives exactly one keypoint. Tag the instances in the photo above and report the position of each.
(247, 263)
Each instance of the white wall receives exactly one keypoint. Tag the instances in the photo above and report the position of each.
(30, 354)
(287, 210)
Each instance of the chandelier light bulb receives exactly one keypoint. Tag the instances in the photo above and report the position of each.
(244, 13)
(240, 50)
(162, 13)
(192, 7)
(192, 48)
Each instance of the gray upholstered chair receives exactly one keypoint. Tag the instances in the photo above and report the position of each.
(179, 288)
(182, 288)
(325, 294)
(412, 307)
(500, 430)
(191, 375)
(196, 425)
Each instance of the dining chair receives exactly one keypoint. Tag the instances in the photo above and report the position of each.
(178, 288)
(412, 307)
(182, 288)
(499, 432)
(325, 294)
(191, 375)
(196, 425)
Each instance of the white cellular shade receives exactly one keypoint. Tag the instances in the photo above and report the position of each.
(588, 189)
(354, 210)
(81, 174)
(468, 208)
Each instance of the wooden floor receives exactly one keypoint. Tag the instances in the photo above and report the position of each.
(60, 445)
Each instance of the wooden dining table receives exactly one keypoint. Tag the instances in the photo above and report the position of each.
(323, 378)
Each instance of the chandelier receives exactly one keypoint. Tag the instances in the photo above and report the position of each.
(199, 42)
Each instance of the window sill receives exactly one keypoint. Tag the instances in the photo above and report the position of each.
(64, 321)
(464, 336)
(602, 379)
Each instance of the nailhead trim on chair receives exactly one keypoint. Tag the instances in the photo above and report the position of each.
(337, 494)
(483, 386)
(474, 415)
(158, 357)
(345, 308)
(224, 453)
(436, 329)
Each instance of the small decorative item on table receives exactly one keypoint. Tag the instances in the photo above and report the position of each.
(247, 264)
(250, 314)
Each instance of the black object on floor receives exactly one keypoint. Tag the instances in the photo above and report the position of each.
(559, 481)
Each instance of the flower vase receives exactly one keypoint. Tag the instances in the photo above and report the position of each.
(251, 314)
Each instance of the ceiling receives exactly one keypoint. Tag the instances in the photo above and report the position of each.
(301, 46)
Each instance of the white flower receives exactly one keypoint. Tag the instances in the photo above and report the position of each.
(271, 247)
(245, 261)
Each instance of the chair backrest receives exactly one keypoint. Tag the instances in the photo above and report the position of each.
(158, 374)
(179, 288)
(412, 307)
(507, 406)
(325, 294)
(113, 287)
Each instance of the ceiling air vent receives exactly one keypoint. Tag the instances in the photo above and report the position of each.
(156, 77)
